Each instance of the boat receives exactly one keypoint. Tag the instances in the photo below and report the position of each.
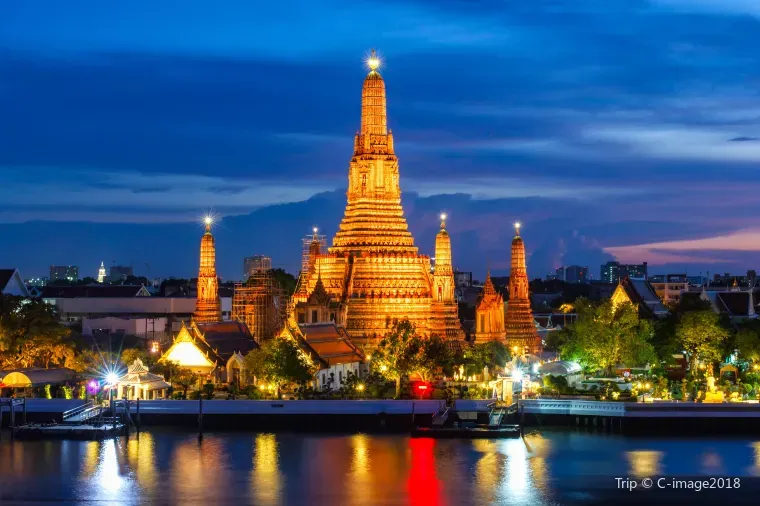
(493, 422)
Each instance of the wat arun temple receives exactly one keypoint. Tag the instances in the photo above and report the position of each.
(373, 273)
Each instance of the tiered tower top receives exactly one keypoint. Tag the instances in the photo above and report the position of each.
(374, 221)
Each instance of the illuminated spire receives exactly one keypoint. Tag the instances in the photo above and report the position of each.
(443, 250)
(374, 118)
(517, 227)
(519, 322)
(101, 273)
(208, 307)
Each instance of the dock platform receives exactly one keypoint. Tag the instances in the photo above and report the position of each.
(69, 431)
(502, 432)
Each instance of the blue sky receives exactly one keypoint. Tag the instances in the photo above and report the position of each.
(608, 127)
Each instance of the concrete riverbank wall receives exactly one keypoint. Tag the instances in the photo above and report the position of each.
(338, 415)
(643, 418)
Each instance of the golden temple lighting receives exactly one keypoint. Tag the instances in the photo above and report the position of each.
(519, 323)
(489, 314)
(374, 273)
(208, 305)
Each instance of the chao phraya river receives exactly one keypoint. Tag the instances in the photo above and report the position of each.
(551, 467)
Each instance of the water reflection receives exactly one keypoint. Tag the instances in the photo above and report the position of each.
(266, 479)
(105, 475)
(423, 484)
(644, 463)
(167, 467)
(199, 471)
(141, 455)
(755, 469)
(360, 477)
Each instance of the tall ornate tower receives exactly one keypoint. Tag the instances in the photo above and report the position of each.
(444, 310)
(489, 314)
(373, 267)
(208, 307)
(522, 336)
(101, 273)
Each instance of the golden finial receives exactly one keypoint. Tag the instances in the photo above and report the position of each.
(373, 62)
(517, 227)
(443, 220)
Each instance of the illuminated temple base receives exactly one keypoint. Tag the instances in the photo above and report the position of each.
(522, 335)
(373, 271)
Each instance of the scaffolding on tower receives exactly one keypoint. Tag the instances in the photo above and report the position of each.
(314, 244)
(261, 304)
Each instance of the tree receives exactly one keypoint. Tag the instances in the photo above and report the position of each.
(185, 378)
(84, 361)
(700, 334)
(748, 343)
(491, 354)
(435, 358)
(30, 334)
(605, 335)
(286, 280)
(398, 353)
(129, 355)
(280, 361)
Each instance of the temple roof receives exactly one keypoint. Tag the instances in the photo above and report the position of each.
(330, 343)
(138, 374)
(227, 338)
(640, 292)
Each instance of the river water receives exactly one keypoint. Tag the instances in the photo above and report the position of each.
(551, 467)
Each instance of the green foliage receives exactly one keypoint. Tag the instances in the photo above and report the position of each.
(286, 281)
(604, 336)
(47, 392)
(397, 354)
(30, 334)
(748, 343)
(701, 333)
(184, 379)
(208, 390)
(556, 384)
(435, 358)
(491, 354)
(280, 361)
(68, 392)
(131, 354)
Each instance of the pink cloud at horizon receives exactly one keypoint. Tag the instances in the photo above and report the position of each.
(672, 251)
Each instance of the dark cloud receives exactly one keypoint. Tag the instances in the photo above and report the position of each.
(597, 123)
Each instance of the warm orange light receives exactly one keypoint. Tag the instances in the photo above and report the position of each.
(373, 62)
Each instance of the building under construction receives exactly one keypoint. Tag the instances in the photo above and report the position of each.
(260, 303)
(314, 245)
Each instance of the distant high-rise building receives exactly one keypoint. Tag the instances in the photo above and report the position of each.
(571, 274)
(256, 263)
(120, 273)
(64, 273)
(101, 273)
(462, 279)
(613, 272)
(610, 272)
(752, 278)
(670, 287)
(36, 281)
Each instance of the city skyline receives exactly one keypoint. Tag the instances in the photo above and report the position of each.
(638, 145)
